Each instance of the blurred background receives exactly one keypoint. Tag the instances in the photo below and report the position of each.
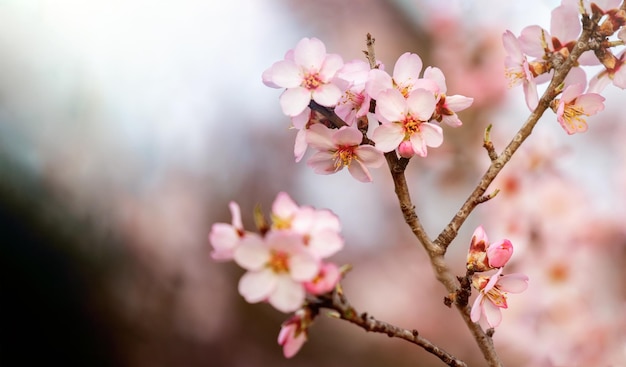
(126, 127)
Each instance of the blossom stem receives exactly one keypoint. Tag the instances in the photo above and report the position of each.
(345, 311)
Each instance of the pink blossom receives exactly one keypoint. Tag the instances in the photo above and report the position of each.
(406, 120)
(319, 228)
(483, 256)
(574, 106)
(320, 231)
(517, 69)
(406, 77)
(325, 281)
(342, 148)
(307, 76)
(355, 102)
(293, 332)
(615, 74)
(492, 295)
(226, 237)
(447, 106)
(277, 265)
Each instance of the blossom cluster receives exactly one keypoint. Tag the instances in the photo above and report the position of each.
(486, 262)
(533, 57)
(409, 108)
(285, 261)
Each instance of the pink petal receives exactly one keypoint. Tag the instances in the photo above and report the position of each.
(512, 47)
(321, 138)
(236, 214)
(325, 243)
(565, 24)
(224, 238)
(323, 163)
(291, 343)
(347, 136)
(432, 134)
(419, 145)
(591, 103)
(492, 313)
(530, 93)
(576, 76)
(252, 253)
(436, 75)
(300, 145)
(458, 103)
(619, 78)
(477, 308)
(327, 95)
(287, 295)
(421, 103)
(332, 64)
(370, 156)
(359, 171)
(499, 253)
(513, 283)
(407, 69)
(530, 42)
(257, 286)
(571, 92)
(294, 101)
(310, 54)
(267, 76)
(286, 74)
(303, 266)
(300, 121)
(388, 136)
(378, 82)
(391, 105)
(283, 206)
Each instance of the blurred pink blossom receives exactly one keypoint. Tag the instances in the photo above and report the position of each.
(277, 267)
(226, 237)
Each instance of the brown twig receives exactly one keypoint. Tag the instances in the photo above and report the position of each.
(345, 311)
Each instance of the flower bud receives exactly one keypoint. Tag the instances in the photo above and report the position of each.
(499, 253)
(477, 255)
(405, 149)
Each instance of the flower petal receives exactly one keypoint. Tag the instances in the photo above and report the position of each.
(323, 163)
(492, 313)
(288, 295)
(477, 308)
(421, 103)
(370, 156)
(286, 74)
(256, 286)
(310, 53)
(321, 138)
(327, 95)
(388, 136)
(391, 105)
(513, 283)
(252, 253)
(294, 101)
(407, 69)
(432, 134)
(359, 171)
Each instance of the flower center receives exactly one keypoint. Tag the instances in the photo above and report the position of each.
(572, 114)
(344, 156)
(411, 126)
(281, 222)
(279, 262)
(311, 81)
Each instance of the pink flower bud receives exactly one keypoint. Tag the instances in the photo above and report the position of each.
(405, 149)
(499, 253)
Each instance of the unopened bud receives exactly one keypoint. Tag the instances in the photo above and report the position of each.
(499, 253)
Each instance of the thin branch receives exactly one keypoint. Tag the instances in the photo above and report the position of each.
(436, 255)
(345, 311)
(451, 230)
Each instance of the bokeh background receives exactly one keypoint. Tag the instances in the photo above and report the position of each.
(126, 127)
